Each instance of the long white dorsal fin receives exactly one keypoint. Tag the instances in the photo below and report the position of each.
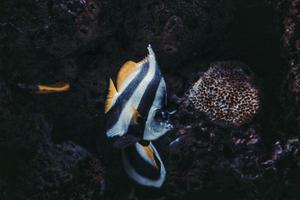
(111, 94)
(150, 50)
(151, 57)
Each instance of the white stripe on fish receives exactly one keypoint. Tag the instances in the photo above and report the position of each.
(121, 127)
(140, 178)
(140, 94)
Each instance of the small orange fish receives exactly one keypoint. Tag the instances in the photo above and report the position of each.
(46, 89)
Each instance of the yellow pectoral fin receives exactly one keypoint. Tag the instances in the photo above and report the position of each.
(59, 87)
(112, 92)
(149, 153)
(127, 69)
(136, 115)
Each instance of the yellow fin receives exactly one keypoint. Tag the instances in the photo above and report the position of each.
(150, 153)
(135, 115)
(124, 72)
(112, 92)
(58, 87)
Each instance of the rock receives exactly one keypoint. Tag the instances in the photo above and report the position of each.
(290, 43)
(209, 161)
(37, 167)
(57, 166)
(52, 146)
(84, 26)
(177, 29)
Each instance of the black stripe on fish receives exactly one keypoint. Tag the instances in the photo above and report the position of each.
(141, 166)
(146, 103)
(114, 113)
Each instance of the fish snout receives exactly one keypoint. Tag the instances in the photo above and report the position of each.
(167, 117)
(164, 114)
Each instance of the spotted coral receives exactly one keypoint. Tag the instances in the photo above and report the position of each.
(226, 93)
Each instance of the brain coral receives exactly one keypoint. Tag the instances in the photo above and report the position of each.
(226, 94)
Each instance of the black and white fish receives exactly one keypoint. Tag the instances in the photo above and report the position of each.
(143, 164)
(136, 108)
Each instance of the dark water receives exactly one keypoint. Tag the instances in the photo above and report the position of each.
(53, 146)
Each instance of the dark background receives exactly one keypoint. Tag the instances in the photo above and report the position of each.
(53, 146)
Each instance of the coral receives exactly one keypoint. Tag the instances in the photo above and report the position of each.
(291, 49)
(34, 166)
(226, 94)
(57, 166)
(177, 29)
(213, 162)
(84, 26)
(53, 146)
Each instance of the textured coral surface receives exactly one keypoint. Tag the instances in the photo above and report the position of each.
(226, 94)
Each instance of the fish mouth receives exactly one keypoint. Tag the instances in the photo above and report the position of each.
(170, 118)
(170, 126)
(167, 124)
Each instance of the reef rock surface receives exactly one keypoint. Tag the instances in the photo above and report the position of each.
(53, 146)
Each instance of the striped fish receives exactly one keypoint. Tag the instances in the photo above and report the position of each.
(135, 107)
(143, 164)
